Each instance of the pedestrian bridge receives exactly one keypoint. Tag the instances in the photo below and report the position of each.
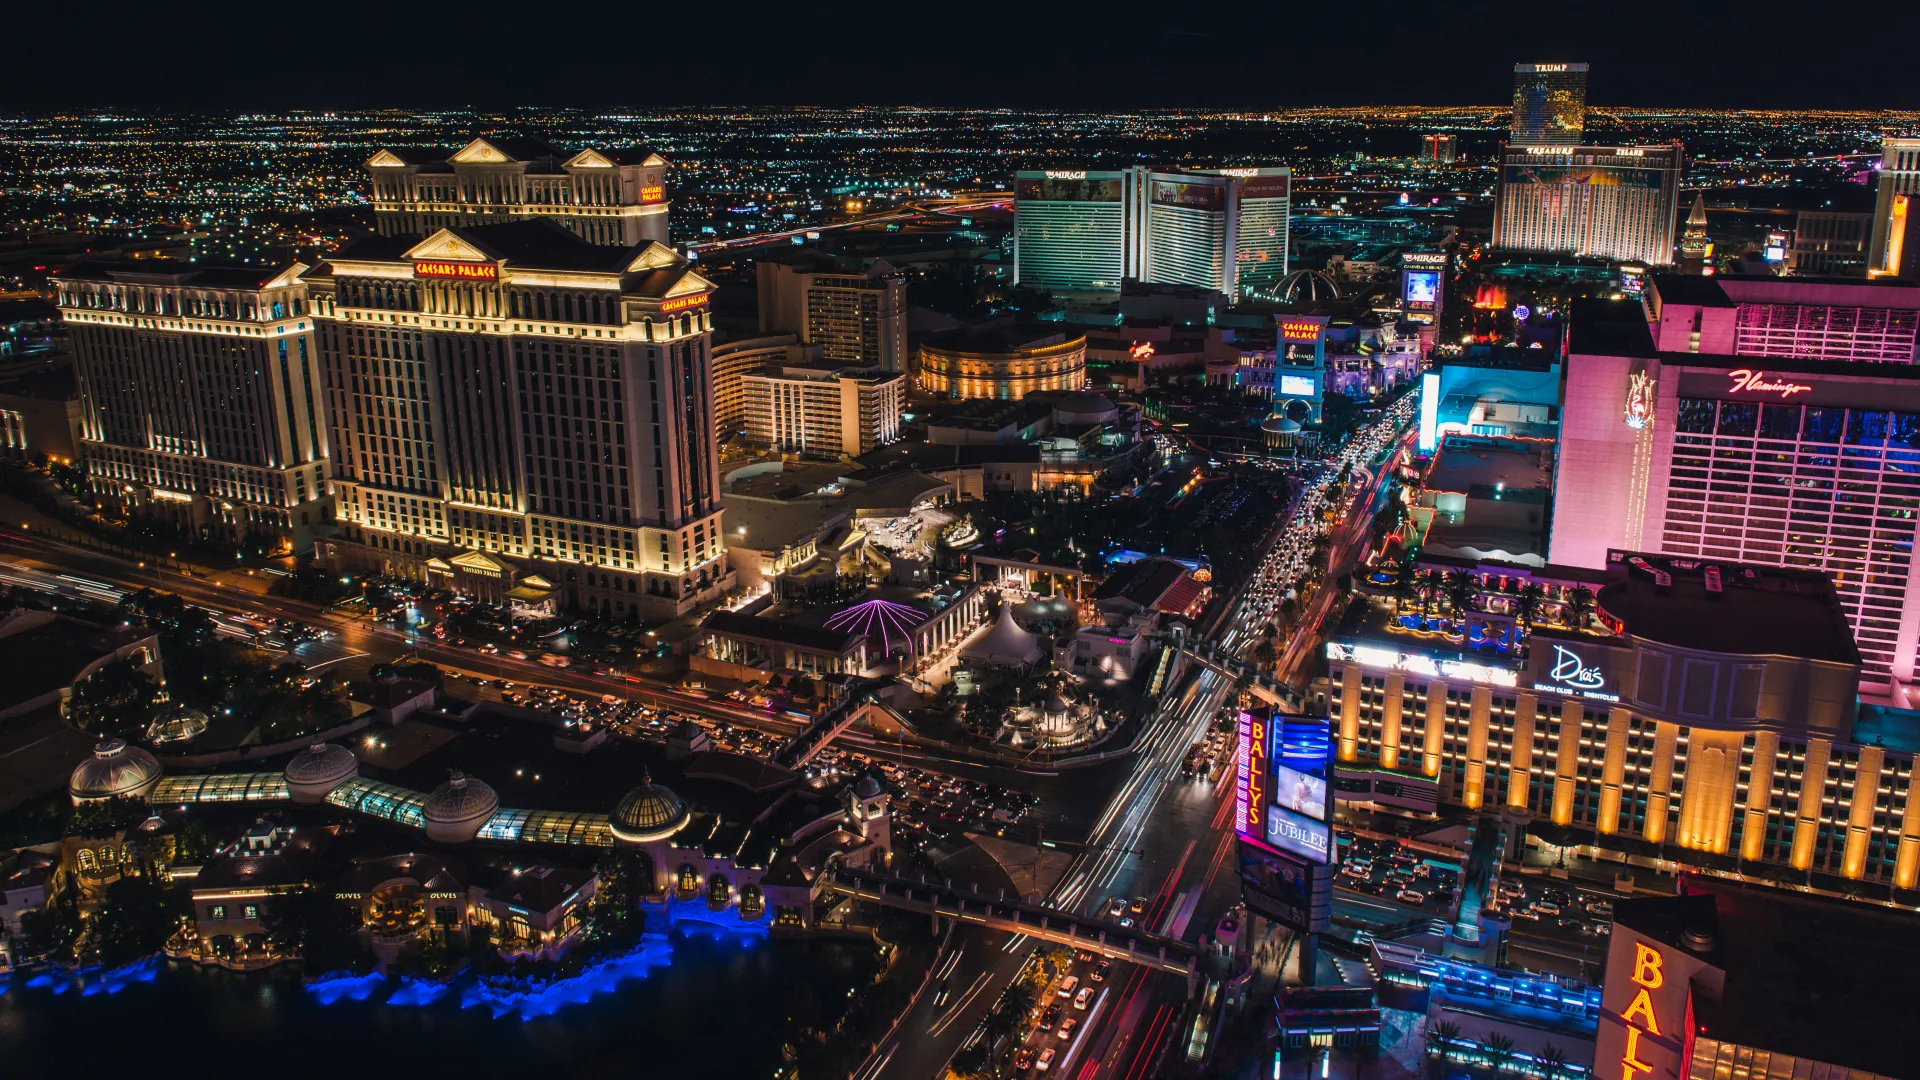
(1260, 682)
(830, 722)
(947, 900)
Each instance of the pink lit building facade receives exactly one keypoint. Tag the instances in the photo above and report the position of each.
(1744, 427)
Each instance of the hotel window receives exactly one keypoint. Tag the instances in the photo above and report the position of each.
(217, 911)
(253, 911)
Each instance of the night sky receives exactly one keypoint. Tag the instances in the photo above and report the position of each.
(1084, 54)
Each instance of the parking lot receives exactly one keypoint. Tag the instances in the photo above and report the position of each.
(1539, 906)
(927, 804)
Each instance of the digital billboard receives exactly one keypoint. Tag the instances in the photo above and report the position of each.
(1282, 797)
(1420, 289)
(1429, 411)
(1197, 196)
(1287, 890)
(1296, 385)
(1264, 187)
(1074, 187)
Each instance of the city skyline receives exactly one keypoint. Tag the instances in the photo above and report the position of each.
(1108, 592)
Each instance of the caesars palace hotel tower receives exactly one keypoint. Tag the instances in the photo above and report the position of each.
(524, 416)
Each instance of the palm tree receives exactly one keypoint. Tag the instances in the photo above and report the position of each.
(1405, 588)
(1460, 587)
(1429, 590)
(1582, 600)
(1552, 1061)
(1499, 1050)
(1526, 603)
(1441, 1037)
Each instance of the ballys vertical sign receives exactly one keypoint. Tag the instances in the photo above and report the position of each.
(1649, 974)
(1250, 780)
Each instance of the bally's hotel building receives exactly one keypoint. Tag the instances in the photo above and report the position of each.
(1087, 231)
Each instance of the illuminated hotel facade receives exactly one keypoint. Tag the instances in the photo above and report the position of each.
(1549, 104)
(1707, 718)
(1610, 202)
(524, 416)
(612, 196)
(1087, 231)
(1723, 982)
(1898, 191)
(200, 398)
(1779, 455)
(1002, 361)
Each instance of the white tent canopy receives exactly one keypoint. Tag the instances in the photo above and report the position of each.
(1006, 645)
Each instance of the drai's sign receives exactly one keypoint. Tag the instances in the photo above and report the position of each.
(1572, 676)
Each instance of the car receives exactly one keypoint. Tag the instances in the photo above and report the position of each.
(1116, 907)
(516, 654)
(1139, 904)
(1602, 908)
(1022, 1059)
(940, 993)
(1127, 922)
(1081, 999)
(1100, 971)
(1409, 896)
(1044, 1061)
(1067, 985)
(1067, 1026)
(1546, 907)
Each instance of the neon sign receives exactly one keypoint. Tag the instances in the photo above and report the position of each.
(1066, 174)
(1250, 778)
(1574, 676)
(1639, 401)
(1570, 669)
(1299, 330)
(1649, 975)
(1748, 381)
(470, 271)
(653, 193)
(682, 303)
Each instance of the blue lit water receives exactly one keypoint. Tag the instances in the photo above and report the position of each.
(696, 1004)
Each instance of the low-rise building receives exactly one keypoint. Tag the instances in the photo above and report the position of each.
(823, 412)
(1003, 359)
(536, 912)
(754, 647)
(237, 888)
(1735, 983)
(407, 898)
(734, 360)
